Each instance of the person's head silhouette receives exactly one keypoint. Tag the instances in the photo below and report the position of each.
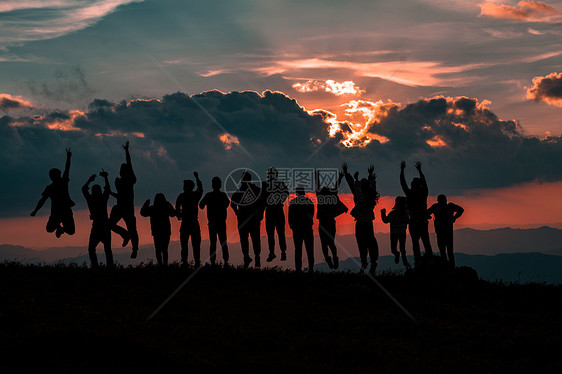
(159, 199)
(400, 203)
(442, 199)
(246, 178)
(364, 183)
(54, 174)
(124, 171)
(96, 190)
(300, 191)
(188, 185)
(216, 183)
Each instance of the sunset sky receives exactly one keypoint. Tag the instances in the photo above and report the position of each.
(473, 89)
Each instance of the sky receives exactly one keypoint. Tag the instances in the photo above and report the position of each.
(473, 89)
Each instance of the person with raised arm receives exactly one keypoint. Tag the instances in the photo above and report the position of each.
(100, 232)
(159, 213)
(398, 219)
(445, 215)
(217, 203)
(275, 193)
(329, 206)
(247, 203)
(301, 217)
(365, 197)
(187, 211)
(125, 206)
(416, 196)
(61, 220)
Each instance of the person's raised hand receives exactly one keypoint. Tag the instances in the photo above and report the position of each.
(126, 145)
(68, 152)
(196, 174)
(403, 165)
(92, 178)
(103, 173)
(344, 167)
(371, 169)
(418, 165)
(33, 213)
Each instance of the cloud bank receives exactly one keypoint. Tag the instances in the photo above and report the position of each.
(524, 11)
(547, 89)
(463, 144)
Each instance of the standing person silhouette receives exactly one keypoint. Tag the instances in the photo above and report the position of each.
(416, 197)
(275, 193)
(398, 219)
(445, 215)
(217, 203)
(301, 216)
(97, 205)
(187, 208)
(61, 219)
(329, 207)
(247, 203)
(365, 196)
(125, 206)
(159, 214)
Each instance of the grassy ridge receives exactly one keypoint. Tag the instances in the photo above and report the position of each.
(73, 319)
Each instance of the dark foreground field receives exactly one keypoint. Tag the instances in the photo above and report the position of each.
(71, 319)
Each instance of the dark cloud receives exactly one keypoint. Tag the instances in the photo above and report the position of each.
(65, 85)
(462, 143)
(8, 102)
(547, 89)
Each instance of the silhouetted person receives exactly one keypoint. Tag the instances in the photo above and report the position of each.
(187, 208)
(445, 215)
(217, 203)
(301, 216)
(275, 193)
(61, 219)
(247, 203)
(365, 197)
(159, 213)
(329, 207)
(97, 205)
(416, 197)
(125, 206)
(398, 219)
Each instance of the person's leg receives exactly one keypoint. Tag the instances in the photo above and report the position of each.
(131, 223)
(107, 247)
(402, 241)
(213, 241)
(324, 240)
(297, 241)
(361, 244)
(114, 217)
(245, 243)
(67, 221)
(414, 234)
(196, 241)
(92, 244)
(184, 238)
(158, 249)
(442, 244)
(165, 244)
(256, 242)
(221, 232)
(450, 250)
(424, 234)
(309, 245)
(331, 228)
(270, 230)
(53, 223)
(373, 247)
(280, 227)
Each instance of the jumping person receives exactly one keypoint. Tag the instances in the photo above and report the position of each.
(301, 216)
(159, 214)
(275, 193)
(398, 219)
(247, 204)
(97, 205)
(416, 197)
(61, 220)
(329, 206)
(217, 203)
(445, 215)
(125, 206)
(187, 209)
(365, 197)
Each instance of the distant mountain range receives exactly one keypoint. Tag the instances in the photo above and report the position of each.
(510, 255)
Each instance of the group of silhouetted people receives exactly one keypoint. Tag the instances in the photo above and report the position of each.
(250, 203)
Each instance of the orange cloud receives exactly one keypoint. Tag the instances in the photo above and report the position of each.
(8, 102)
(228, 140)
(66, 124)
(331, 86)
(436, 142)
(526, 11)
(547, 89)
